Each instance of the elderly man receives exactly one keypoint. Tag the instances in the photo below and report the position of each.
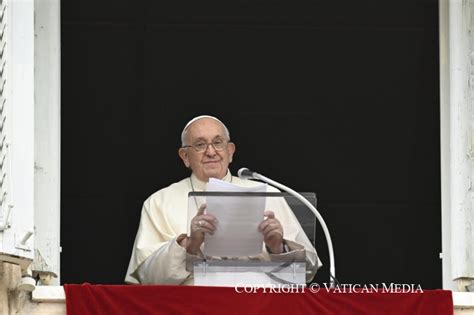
(162, 245)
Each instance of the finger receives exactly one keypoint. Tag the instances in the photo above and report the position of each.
(273, 232)
(269, 214)
(263, 225)
(211, 225)
(208, 217)
(270, 227)
(199, 231)
(205, 230)
(201, 209)
(205, 219)
(266, 223)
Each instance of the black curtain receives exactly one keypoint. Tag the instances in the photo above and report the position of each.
(340, 98)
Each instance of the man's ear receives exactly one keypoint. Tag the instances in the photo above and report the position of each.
(183, 154)
(231, 149)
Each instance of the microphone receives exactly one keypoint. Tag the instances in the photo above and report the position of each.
(245, 173)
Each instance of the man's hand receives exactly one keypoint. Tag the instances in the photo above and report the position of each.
(272, 232)
(200, 225)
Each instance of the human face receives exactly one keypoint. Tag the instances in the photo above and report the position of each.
(210, 163)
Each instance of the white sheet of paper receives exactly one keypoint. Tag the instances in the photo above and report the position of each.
(238, 219)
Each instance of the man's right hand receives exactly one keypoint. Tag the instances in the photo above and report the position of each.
(200, 225)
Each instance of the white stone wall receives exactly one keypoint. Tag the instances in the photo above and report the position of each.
(457, 141)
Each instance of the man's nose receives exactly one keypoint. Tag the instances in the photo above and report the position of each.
(210, 150)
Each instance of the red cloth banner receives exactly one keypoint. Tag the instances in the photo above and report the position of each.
(161, 299)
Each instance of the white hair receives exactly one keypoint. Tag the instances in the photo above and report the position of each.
(185, 129)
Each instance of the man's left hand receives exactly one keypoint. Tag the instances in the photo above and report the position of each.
(272, 232)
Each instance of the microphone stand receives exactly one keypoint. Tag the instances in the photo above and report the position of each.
(332, 266)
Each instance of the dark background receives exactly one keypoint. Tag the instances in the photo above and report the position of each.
(336, 97)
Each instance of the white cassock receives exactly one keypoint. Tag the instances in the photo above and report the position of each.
(157, 258)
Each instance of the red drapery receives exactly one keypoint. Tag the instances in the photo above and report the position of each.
(160, 299)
